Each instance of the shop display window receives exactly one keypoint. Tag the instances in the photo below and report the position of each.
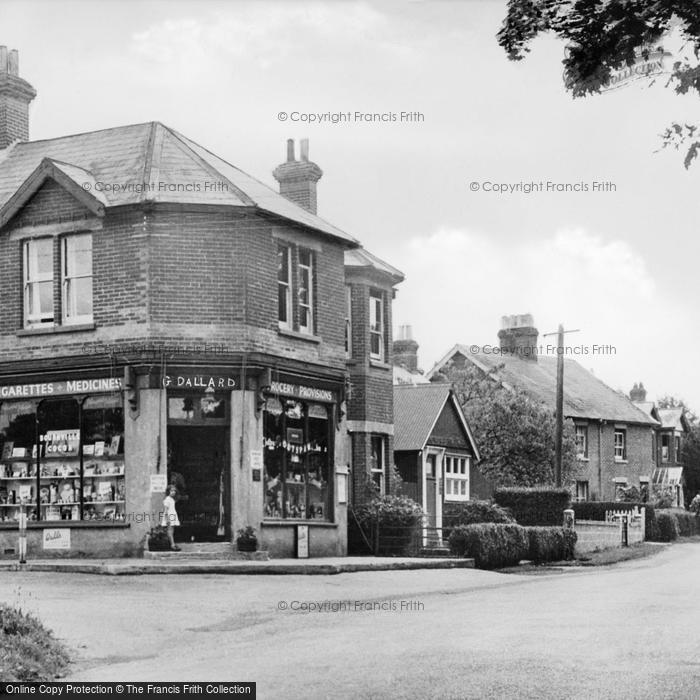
(297, 442)
(63, 460)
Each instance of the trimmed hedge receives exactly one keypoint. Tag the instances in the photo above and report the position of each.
(686, 524)
(387, 525)
(668, 526)
(551, 543)
(492, 545)
(473, 512)
(534, 506)
(28, 651)
(595, 510)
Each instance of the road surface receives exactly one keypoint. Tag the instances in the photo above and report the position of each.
(627, 631)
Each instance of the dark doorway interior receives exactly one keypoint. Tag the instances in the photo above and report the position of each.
(198, 465)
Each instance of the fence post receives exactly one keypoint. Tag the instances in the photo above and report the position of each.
(569, 519)
(22, 535)
(624, 529)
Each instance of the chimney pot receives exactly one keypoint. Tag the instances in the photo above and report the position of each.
(519, 336)
(304, 145)
(3, 59)
(290, 150)
(13, 63)
(15, 96)
(297, 179)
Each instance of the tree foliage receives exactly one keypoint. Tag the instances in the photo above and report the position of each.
(603, 36)
(515, 434)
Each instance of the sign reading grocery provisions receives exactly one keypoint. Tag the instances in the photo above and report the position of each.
(56, 538)
(71, 386)
(199, 381)
(299, 391)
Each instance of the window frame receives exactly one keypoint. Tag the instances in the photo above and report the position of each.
(28, 285)
(376, 304)
(287, 324)
(310, 271)
(620, 451)
(677, 448)
(584, 434)
(457, 477)
(66, 318)
(378, 472)
(348, 321)
(582, 486)
(665, 448)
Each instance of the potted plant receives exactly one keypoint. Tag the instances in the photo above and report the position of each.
(247, 540)
(158, 539)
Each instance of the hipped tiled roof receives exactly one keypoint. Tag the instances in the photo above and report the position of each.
(152, 163)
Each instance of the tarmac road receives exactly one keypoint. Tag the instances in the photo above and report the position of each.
(626, 631)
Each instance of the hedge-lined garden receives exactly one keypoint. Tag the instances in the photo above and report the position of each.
(534, 506)
(595, 510)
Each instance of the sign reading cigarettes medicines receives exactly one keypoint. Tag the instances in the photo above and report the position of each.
(72, 386)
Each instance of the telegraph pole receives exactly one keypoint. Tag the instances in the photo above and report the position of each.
(559, 415)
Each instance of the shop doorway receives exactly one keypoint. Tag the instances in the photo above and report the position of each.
(198, 464)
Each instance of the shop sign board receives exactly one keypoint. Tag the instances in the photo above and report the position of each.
(302, 541)
(300, 391)
(199, 381)
(56, 538)
(62, 388)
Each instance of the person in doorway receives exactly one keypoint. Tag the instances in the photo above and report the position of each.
(170, 520)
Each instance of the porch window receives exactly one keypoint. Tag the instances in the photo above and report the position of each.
(456, 478)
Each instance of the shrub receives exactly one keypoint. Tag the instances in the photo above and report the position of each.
(686, 523)
(663, 497)
(28, 651)
(534, 506)
(668, 526)
(551, 543)
(492, 545)
(595, 510)
(388, 523)
(695, 505)
(629, 494)
(472, 512)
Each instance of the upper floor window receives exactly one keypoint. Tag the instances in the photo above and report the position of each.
(284, 285)
(306, 291)
(76, 266)
(376, 325)
(620, 444)
(665, 447)
(677, 448)
(348, 321)
(582, 441)
(38, 282)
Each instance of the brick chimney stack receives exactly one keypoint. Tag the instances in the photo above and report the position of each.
(638, 394)
(15, 96)
(518, 336)
(298, 178)
(405, 350)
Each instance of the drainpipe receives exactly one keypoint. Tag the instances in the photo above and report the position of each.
(600, 460)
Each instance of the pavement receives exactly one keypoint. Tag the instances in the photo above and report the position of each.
(316, 566)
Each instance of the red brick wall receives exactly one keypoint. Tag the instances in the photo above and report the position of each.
(14, 120)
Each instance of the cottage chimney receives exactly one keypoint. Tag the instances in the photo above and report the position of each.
(298, 178)
(518, 336)
(638, 393)
(15, 96)
(405, 350)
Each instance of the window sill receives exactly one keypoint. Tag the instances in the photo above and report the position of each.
(300, 336)
(51, 524)
(292, 521)
(50, 330)
(620, 461)
(583, 459)
(379, 364)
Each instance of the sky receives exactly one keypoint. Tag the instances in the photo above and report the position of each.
(617, 263)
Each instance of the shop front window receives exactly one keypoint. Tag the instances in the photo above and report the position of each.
(63, 460)
(297, 460)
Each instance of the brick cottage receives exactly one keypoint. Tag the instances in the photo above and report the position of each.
(165, 317)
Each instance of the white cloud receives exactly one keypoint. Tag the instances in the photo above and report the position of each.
(459, 283)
